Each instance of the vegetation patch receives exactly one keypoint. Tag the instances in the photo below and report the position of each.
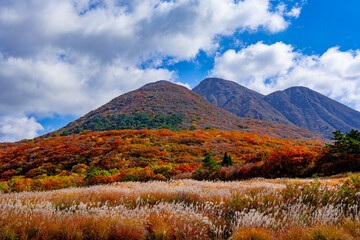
(187, 209)
(126, 121)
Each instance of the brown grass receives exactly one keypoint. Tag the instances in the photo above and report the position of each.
(186, 209)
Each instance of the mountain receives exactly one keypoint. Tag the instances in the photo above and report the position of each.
(166, 105)
(239, 100)
(156, 105)
(299, 106)
(314, 111)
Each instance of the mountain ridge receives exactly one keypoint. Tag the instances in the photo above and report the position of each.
(165, 98)
(318, 113)
(167, 105)
(239, 100)
(296, 105)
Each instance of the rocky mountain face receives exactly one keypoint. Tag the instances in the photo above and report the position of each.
(239, 100)
(300, 106)
(314, 111)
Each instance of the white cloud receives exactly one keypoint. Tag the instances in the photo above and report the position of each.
(255, 63)
(15, 128)
(131, 30)
(63, 84)
(66, 84)
(184, 85)
(267, 68)
(70, 56)
(295, 12)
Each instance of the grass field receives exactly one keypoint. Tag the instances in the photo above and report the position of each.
(188, 209)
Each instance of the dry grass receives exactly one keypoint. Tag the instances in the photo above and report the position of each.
(186, 209)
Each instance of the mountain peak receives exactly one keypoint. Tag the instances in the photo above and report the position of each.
(214, 79)
(309, 109)
(157, 82)
(157, 103)
(222, 83)
(167, 105)
(296, 105)
(299, 89)
(238, 100)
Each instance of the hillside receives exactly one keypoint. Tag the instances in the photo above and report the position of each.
(314, 111)
(238, 100)
(166, 105)
(299, 106)
(133, 151)
(156, 105)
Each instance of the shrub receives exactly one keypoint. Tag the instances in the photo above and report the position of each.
(4, 187)
(289, 162)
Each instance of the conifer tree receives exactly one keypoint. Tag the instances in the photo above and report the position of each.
(230, 160)
(227, 160)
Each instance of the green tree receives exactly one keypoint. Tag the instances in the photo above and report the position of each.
(210, 164)
(348, 143)
(227, 160)
(342, 155)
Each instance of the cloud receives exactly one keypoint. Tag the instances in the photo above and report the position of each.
(50, 84)
(295, 12)
(267, 68)
(66, 84)
(184, 85)
(15, 128)
(70, 56)
(132, 30)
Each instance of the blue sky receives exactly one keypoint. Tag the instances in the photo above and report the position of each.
(61, 59)
(320, 26)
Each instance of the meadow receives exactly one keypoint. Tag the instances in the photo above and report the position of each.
(188, 209)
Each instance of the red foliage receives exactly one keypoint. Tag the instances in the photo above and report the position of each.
(184, 168)
(289, 162)
(136, 152)
(6, 175)
(99, 179)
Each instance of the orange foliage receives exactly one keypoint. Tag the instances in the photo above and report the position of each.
(289, 162)
(134, 153)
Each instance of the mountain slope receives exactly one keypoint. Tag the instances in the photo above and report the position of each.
(238, 100)
(299, 106)
(160, 102)
(314, 111)
(167, 105)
